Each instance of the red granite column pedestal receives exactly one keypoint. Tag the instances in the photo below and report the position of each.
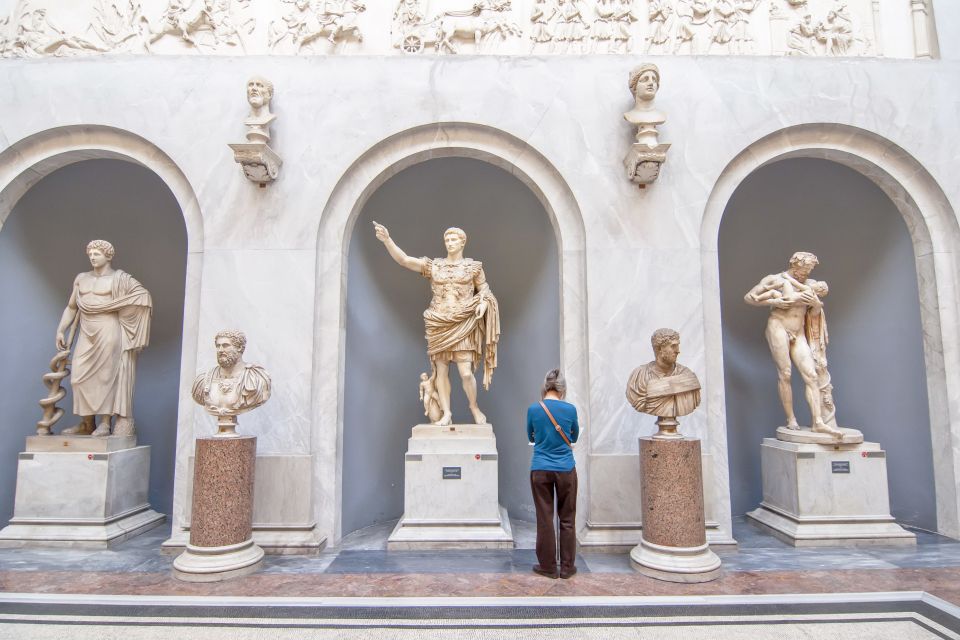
(673, 545)
(221, 523)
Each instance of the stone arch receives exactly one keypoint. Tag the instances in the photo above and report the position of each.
(359, 182)
(935, 235)
(27, 161)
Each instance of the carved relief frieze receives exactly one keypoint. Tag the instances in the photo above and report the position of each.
(36, 28)
(822, 28)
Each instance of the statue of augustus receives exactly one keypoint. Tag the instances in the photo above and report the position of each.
(463, 319)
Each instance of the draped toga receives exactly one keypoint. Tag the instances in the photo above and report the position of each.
(663, 395)
(110, 334)
(246, 391)
(452, 330)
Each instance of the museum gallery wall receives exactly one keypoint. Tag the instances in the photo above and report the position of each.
(281, 245)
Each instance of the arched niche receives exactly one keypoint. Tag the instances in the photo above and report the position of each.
(509, 231)
(59, 189)
(934, 235)
(873, 317)
(337, 226)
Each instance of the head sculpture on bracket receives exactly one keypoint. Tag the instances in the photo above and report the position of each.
(646, 154)
(233, 386)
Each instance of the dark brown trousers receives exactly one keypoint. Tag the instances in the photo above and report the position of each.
(563, 484)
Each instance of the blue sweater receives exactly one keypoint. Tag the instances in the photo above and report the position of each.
(550, 452)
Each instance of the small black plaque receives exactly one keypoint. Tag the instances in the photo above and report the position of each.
(451, 473)
(840, 466)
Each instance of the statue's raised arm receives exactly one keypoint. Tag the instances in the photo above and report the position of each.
(398, 254)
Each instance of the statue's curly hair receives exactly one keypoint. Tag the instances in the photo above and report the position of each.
(237, 338)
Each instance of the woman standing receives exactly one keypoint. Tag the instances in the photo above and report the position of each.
(552, 428)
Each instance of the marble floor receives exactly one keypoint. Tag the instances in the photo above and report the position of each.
(361, 566)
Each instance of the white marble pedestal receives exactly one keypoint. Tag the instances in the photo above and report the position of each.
(80, 491)
(823, 495)
(450, 498)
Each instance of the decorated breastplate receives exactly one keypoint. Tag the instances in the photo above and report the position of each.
(452, 284)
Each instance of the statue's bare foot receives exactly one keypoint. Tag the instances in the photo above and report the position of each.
(123, 427)
(478, 416)
(82, 429)
(821, 427)
(103, 429)
(793, 424)
(445, 420)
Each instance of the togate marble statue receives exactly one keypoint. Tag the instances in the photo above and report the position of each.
(646, 154)
(462, 322)
(797, 331)
(234, 386)
(663, 387)
(109, 314)
(259, 162)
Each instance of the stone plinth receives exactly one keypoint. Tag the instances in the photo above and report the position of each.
(80, 491)
(673, 545)
(221, 544)
(451, 496)
(822, 495)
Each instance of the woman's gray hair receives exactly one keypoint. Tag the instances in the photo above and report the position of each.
(554, 381)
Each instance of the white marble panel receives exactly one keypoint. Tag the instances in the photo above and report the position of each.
(258, 262)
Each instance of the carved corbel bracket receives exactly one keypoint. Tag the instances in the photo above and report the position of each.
(259, 162)
(643, 162)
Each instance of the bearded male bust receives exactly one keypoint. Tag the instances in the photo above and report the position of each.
(234, 386)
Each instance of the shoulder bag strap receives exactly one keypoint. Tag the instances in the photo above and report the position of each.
(555, 425)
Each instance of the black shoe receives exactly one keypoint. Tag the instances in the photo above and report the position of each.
(544, 572)
(566, 575)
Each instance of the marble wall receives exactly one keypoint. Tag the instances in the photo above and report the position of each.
(273, 260)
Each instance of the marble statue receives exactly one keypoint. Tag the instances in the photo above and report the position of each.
(797, 332)
(429, 396)
(259, 162)
(663, 387)
(463, 319)
(234, 386)
(109, 313)
(646, 154)
(259, 95)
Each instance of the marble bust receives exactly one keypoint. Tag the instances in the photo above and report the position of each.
(644, 82)
(109, 313)
(647, 153)
(234, 386)
(259, 95)
(797, 332)
(664, 387)
(462, 322)
(259, 162)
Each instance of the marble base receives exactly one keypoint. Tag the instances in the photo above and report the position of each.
(214, 564)
(85, 444)
(80, 499)
(283, 520)
(451, 496)
(805, 435)
(675, 564)
(674, 543)
(819, 495)
(221, 545)
(614, 520)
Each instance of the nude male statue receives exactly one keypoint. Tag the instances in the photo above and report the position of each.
(462, 322)
(794, 305)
